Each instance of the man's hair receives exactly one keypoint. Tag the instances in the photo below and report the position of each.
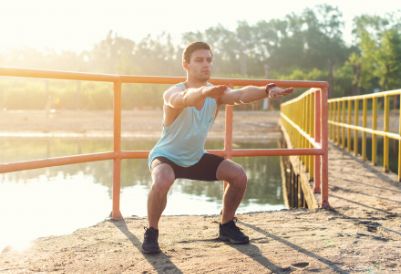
(186, 55)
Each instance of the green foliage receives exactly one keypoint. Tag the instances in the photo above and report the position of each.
(389, 60)
(342, 85)
(379, 52)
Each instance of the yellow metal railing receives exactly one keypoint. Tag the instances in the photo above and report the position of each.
(304, 120)
(344, 119)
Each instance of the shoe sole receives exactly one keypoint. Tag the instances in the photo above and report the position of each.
(227, 239)
(150, 251)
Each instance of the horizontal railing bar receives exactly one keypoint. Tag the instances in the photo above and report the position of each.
(367, 96)
(276, 152)
(300, 97)
(150, 79)
(67, 75)
(238, 152)
(394, 136)
(59, 161)
(222, 81)
(139, 154)
(61, 75)
(310, 139)
(143, 154)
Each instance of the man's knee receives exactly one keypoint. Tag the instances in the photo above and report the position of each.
(240, 179)
(233, 173)
(162, 177)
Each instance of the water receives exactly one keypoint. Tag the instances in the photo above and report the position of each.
(59, 200)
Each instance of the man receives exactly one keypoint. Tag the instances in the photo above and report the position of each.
(189, 111)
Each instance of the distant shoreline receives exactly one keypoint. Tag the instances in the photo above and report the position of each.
(136, 124)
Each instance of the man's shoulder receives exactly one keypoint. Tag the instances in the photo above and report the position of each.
(173, 89)
(176, 87)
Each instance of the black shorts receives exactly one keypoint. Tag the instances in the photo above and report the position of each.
(204, 170)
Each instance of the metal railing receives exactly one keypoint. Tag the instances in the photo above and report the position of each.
(117, 154)
(304, 120)
(344, 125)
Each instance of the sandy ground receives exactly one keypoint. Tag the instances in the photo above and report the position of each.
(361, 234)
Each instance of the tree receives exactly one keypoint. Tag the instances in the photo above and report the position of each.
(389, 60)
(379, 43)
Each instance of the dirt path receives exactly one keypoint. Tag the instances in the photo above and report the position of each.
(361, 235)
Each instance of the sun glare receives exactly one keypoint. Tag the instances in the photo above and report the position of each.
(43, 206)
(78, 25)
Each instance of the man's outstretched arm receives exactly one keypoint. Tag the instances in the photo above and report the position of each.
(192, 96)
(249, 94)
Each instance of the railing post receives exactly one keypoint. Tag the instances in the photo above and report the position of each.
(338, 121)
(356, 123)
(386, 129)
(343, 121)
(228, 138)
(116, 214)
(311, 130)
(317, 169)
(374, 127)
(330, 126)
(333, 118)
(364, 120)
(399, 143)
(304, 124)
(349, 123)
(307, 129)
(325, 156)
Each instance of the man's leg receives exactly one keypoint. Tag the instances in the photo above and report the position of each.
(162, 177)
(235, 175)
(237, 180)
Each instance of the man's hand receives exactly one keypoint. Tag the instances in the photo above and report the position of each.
(278, 92)
(214, 91)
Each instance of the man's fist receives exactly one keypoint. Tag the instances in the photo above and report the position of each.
(278, 92)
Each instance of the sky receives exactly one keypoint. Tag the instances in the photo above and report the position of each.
(78, 25)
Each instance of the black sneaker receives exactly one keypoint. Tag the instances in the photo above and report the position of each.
(230, 232)
(150, 244)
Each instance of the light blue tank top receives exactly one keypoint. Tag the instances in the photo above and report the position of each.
(183, 141)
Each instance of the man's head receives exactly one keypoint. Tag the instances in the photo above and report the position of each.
(197, 61)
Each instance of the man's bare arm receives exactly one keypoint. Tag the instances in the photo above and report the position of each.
(192, 96)
(251, 94)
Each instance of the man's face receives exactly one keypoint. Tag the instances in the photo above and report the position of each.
(200, 65)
